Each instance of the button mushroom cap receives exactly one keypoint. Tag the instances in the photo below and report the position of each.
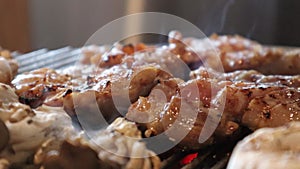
(63, 154)
(4, 164)
(274, 148)
(28, 128)
(6, 74)
(10, 108)
(104, 152)
(4, 135)
(7, 94)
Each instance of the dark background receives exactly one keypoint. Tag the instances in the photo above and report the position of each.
(35, 24)
(274, 22)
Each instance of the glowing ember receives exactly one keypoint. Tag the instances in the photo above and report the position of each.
(189, 158)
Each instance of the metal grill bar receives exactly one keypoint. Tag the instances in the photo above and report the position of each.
(55, 59)
(31, 54)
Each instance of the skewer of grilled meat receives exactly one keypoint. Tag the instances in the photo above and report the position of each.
(46, 86)
(118, 82)
(106, 57)
(247, 103)
(246, 76)
(238, 53)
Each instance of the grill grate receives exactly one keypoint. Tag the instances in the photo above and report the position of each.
(55, 59)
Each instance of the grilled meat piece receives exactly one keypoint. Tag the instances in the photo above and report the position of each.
(178, 46)
(183, 112)
(111, 92)
(154, 103)
(272, 110)
(286, 64)
(39, 86)
(105, 57)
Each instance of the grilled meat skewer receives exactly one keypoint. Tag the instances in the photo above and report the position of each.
(250, 104)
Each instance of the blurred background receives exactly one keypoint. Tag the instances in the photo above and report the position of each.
(33, 24)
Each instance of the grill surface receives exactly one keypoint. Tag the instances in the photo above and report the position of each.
(215, 157)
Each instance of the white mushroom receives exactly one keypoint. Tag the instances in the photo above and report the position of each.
(274, 148)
